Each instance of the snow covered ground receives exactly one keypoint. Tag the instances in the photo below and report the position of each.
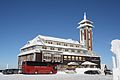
(58, 76)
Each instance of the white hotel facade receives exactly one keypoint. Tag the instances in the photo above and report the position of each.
(52, 49)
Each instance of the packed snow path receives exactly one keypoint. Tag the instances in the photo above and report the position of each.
(54, 77)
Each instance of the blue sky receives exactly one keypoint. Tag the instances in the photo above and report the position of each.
(22, 20)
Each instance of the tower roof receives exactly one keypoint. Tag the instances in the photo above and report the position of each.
(85, 22)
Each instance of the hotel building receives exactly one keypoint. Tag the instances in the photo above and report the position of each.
(52, 49)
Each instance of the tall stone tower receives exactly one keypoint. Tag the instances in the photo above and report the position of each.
(85, 27)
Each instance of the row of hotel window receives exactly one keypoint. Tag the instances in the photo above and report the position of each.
(74, 58)
(67, 58)
(71, 58)
(51, 48)
(55, 58)
(62, 43)
(62, 49)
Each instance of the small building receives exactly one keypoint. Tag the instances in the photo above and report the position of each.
(52, 49)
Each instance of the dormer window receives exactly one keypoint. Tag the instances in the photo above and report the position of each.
(77, 46)
(52, 48)
(58, 43)
(66, 49)
(28, 42)
(49, 42)
(65, 44)
(44, 47)
(59, 49)
(71, 45)
(45, 41)
(22, 50)
(78, 51)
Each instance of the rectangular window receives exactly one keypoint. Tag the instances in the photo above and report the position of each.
(45, 57)
(76, 57)
(83, 58)
(29, 63)
(73, 58)
(80, 58)
(78, 51)
(55, 57)
(63, 49)
(59, 58)
(65, 57)
(81, 51)
(72, 51)
(49, 57)
(69, 57)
